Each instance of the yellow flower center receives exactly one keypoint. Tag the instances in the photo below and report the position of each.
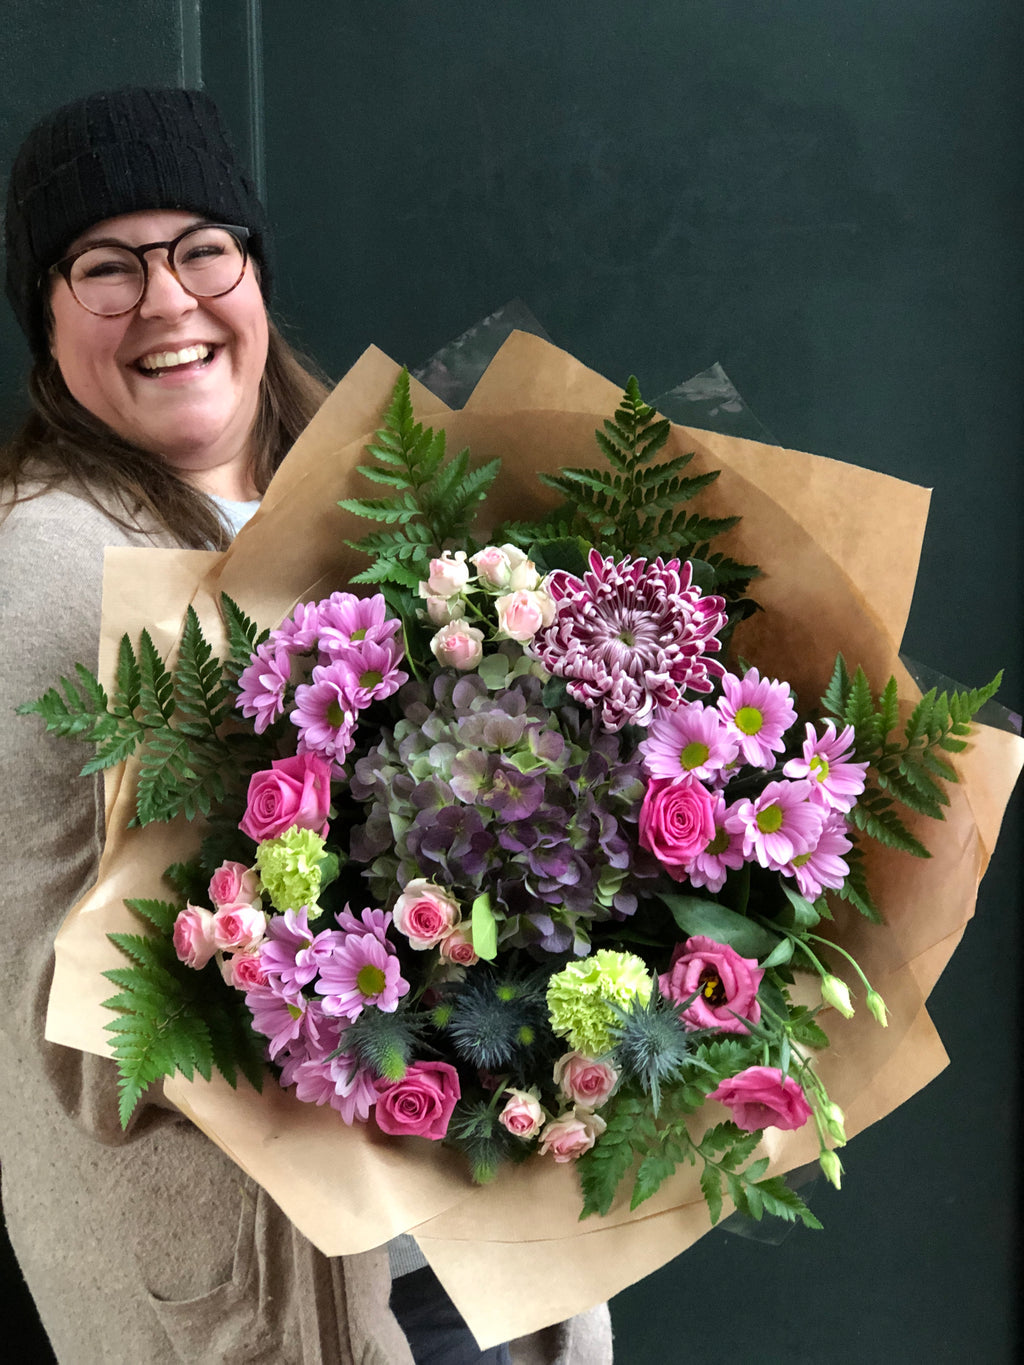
(370, 980)
(719, 843)
(335, 715)
(750, 720)
(371, 678)
(769, 820)
(694, 755)
(818, 767)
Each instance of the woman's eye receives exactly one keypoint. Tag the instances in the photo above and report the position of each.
(98, 270)
(197, 254)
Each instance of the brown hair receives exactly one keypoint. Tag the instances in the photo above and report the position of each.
(61, 443)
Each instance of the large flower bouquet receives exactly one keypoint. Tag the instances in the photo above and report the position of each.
(514, 837)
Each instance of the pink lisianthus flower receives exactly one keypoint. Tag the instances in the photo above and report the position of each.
(780, 824)
(758, 711)
(584, 1081)
(761, 1097)
(262, 685)
(291, 792)
(457, 645)
(421, 1103)
(239, 927)
(425, 913)
(570, 1135)
(722, 855)
(825, 762)
(360, 971)
(325, 712)
(726, 985)
(193, 937)
(691, 740)
(823, 867)
(676, 822)
(234, 883)
(522, 1114)
(522, 613)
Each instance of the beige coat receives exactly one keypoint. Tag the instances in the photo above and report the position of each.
(152, 1246)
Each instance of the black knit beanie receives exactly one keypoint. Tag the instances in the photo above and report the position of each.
(113, 153)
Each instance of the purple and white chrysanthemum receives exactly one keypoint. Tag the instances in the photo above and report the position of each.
(368, 671)
(630, 636)
(836, 781)
(778, 825)
(290, 955)
(758, 711)
(691, 739)
(723, 854)
(262, 685)
(361, 971)
(346, 620)
(325, 714)
(824, 867)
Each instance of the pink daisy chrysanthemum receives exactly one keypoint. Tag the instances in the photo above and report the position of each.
(262, 685)
(300, 631)
(778, 825)
(325, 714)
(336, 1080)
(823, 867)
(723, 854)
(277, 1017)
(346, 619)
(373, 922)
(370, 670)
(630, 636)
(690, 739)
(758, 711)
(835, 781)
(361, 971)
(290, 954)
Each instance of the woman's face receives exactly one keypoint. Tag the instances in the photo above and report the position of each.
(196, 412)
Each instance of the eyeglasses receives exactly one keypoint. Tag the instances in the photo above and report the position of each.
(109, 278)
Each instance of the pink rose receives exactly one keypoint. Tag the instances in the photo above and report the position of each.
(425, 914)
(233, 883)
(291, 792)
(458, 646)
(726, 985)
(193, 936)
(568, 1137)
(521, 614)
(239, 927)
(459, 949)
(761, 1097)
(677, 821)
(522, 1115)
(584, 1081)
(244, 971)
(442, 610)
(493, 566)
(421, 1103)
(448, 575)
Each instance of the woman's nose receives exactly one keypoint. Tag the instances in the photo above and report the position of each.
(164, 296)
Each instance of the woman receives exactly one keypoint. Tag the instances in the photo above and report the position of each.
(163, 399)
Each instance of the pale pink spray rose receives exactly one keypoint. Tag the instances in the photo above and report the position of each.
(585, 1081)
(522, 613)
(193, 936)
(244, 971)
(238, 928)
(233, 884)
(458, 948)
(448, 575)
(291, 792)
(761, 1097)
(493, 567)
(569, 1136)
(425, 913)
(458, 646)
(421, 1103)
(522, 1115)
(726, 985)
(677, 821)
(441, 611)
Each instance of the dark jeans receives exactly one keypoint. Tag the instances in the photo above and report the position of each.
(436, 1330)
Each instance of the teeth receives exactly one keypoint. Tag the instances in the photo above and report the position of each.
(165, 360)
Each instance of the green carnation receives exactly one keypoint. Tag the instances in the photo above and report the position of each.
(582, 998)
(290, 868)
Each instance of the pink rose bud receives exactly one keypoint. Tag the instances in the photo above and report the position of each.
(524, 572)
(458, 646)
(291, 792)
(493, 566)
(233, 883)
(238, 928)
(568, 1137)
(244, 971)
(761, 1097)
(448, 575)
(726, 985)
(193, 936)
(677, 821)
(425, 914)
(421, 1103)
(521, 614)
(442, 610)
(522, 1115)
(458, 948)
(584, 1081)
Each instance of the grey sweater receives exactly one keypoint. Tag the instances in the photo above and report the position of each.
(151, 1245)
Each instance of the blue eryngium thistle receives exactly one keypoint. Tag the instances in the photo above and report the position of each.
(383, 1042)
(499, 1020)
(475, 1131)
(651, 1045)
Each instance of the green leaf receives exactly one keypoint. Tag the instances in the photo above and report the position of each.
(484, 928)
(696, 916)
